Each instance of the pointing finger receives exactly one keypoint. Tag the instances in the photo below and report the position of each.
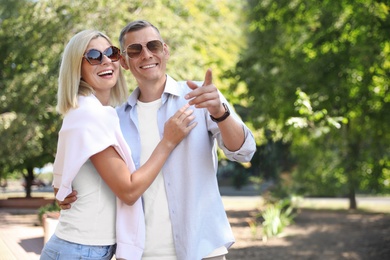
(208, 79)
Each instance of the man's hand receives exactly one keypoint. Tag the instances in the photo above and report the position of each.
(66, 203)
(206, 96)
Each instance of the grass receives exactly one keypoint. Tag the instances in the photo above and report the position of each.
(367, 204)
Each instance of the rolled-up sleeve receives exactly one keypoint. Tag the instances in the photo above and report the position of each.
(247, 150)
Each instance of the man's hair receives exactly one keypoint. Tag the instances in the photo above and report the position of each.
(132, 27)
(70, 83)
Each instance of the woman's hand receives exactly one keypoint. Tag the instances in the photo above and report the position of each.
(179, 126)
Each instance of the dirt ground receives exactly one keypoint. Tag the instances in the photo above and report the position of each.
(316, 235)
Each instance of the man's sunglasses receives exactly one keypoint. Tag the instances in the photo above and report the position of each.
(95, 57)
(134, 50)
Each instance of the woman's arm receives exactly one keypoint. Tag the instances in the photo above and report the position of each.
(129, 187)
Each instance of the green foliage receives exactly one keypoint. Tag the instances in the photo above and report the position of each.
(317, 75)
(27, 89)
(200, 35)
(33, 35)
(281, 208)
(277, 216)
(319, 122)
(51, 207)
(234, 172)
(240, 177)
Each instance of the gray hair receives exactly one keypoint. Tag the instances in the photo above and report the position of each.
(132, 27)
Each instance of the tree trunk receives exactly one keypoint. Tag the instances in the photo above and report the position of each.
(29, 180)
(352, 197)
(351, 156)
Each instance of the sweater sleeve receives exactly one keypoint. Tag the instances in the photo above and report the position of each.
(85, 131)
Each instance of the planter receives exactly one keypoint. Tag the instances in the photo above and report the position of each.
(49, 223)
(25, 203)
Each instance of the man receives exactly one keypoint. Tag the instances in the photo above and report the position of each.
(185, 217)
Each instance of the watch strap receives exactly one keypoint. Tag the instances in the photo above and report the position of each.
(224, 116)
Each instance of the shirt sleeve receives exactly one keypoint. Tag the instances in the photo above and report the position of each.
(84, 132)
(248, 148)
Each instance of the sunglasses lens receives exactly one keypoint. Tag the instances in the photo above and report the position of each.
(113, 53)
(94, 57)
(155, 46)
(134, 50)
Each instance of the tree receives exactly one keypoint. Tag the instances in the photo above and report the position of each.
(336, 53)
(32, 38)
(27, 89)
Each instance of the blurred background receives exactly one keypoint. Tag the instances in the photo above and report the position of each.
(311, 79)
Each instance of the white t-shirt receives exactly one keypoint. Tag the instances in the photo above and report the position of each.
(94, 211)
(159, 243)
(85, 131)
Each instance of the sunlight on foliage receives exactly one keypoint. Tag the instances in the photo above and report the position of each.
(318, 121)
(277, 217)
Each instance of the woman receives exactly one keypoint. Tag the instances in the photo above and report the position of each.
(94, 159)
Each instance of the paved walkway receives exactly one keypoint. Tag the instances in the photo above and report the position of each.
(21, 235)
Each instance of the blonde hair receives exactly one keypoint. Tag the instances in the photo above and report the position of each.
(70, 84)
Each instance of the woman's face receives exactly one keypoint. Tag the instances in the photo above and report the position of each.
(101, 77)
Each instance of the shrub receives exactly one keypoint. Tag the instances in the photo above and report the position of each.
(52, 207)
(276, 217)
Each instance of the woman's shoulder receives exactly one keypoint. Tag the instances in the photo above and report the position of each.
(90, 112)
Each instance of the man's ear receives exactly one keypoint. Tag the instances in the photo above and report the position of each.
(166, 50)
(123, 62)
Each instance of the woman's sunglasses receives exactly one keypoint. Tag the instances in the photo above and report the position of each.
(134, 50)
(95, 57)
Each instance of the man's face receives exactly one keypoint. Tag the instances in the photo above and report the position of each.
(149, 66)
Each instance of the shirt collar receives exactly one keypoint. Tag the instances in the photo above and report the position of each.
(170, 88)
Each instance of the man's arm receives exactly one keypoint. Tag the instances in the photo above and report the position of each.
(66, 204)
(208, 97)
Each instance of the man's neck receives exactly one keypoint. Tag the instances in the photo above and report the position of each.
(151, 91)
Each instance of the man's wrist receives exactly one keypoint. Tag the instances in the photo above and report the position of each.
(224, 116)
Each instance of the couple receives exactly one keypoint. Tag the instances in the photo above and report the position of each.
(160, 145)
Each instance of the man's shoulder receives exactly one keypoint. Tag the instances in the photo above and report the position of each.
(182, 83)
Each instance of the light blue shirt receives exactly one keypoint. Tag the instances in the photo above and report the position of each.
(198, 217)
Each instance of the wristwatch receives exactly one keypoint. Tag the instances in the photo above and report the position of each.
(223, 117)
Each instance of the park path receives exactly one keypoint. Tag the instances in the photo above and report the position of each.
(315, 234)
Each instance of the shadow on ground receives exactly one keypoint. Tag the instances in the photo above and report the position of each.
(29, 245)
(317, 235)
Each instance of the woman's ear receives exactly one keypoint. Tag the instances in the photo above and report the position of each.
(123, 62)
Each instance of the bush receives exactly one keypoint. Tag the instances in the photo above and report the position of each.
(276, 217)
(52, 207)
